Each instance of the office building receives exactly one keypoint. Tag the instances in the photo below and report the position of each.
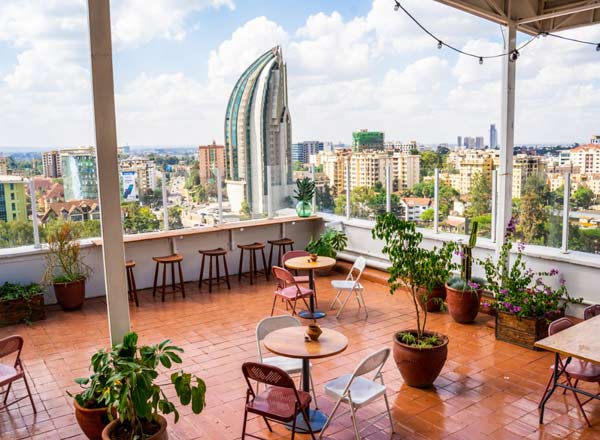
(80, 177)
(367, 140)
(493, 136)
(459, 141)
(13, 205)
(302, 151)
(258, 133)
(479, 143)
(210, 159)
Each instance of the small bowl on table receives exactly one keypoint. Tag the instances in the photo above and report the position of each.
(313, 257)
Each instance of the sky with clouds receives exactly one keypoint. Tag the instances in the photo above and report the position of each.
(351, 64)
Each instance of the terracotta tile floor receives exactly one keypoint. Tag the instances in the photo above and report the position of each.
(488, 389)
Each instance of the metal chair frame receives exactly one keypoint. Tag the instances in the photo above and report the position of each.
(284, 278)
(356, 288)
(373, 362)
(8, 346)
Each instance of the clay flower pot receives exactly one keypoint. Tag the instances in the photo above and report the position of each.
(463, 305)
(160, 435)
(70, 295)
(313, 332)
(435, 299)
(420, 367)
(91, 421)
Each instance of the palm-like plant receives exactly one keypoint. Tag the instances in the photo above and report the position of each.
(305, 190)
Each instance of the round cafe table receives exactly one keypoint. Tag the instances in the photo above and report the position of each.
(305, 263)
(291, 342)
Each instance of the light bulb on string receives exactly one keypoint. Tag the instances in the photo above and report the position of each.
(440, 44)
(514, 55)
(396, 6)
(598, 48)
(480, 60)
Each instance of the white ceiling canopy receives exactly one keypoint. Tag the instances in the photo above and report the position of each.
(533, 16)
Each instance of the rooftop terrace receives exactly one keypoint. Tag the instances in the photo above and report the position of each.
(487, 389)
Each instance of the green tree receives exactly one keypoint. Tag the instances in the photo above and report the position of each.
(480, 202)
(298, 166)
(427, 215)
(340, 205)
(430, 160)
(325, 201)
(139, 219)
(16, 233)
(175, 217)
(533, 214)
(245, 213)
(447, 195)
(583, 197)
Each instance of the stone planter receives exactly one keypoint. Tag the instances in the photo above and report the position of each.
(522, 331)
(16, 311)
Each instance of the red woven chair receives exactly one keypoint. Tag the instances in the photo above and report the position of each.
(11, 373)
(577, 369)
(591, 311)
(300, 279)
(281, 402)
(288, 289)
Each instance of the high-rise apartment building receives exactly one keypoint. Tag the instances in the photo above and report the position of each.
(367, 168)
(334, 167)
(145, 172)
(367, 140)
(3, 166)
(493, 136)
(407, 171)
(524, 167)
(400, 147)
(479, 142)
(80, 177)
(302, 151)
(459, 141)
(469, 163)
(258, 133)
(13, 205)
(586, 158)
(210, 159)
(51, 164)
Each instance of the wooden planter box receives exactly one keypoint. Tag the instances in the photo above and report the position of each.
(17, 311)
(521, 331)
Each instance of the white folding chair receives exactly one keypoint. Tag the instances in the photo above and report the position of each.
(357, 391)
(352, 286)
(289, 365)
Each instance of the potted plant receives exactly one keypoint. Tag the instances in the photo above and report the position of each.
(134, 393)
(327, 245)
(463, 293)
(525, 302)
(65, 268)
(304, 192)
(19, 303)
(91, 404)
(419, 354)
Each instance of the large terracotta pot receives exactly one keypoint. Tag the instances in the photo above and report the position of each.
(463, 305)
(160, 435)
(91, 421)
(70, 295)
(435, 299)
(420, 367)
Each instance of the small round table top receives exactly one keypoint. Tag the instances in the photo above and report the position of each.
(290, 342)
(305, 263)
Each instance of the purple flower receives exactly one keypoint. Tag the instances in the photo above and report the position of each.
(562, 281)
(539, 282)
(511, 228)
(486, 304)
(473, 285)
(503, 291)
(553, 272)
(516, 309)
(520, 246)
(548, 291)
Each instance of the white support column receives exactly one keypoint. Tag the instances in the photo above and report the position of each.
(565, 226)
(388, 188)
(347, 188)
(34, 219)
(113, 252)
(220, 195)
(436, 201)
(165, 200)
(505, 178)
(494, 205)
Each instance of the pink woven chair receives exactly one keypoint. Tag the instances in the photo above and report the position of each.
(288, 289)
(12, 373)
(591, 311)
(577, 369)
(300, 279)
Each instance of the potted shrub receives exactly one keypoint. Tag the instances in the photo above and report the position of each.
(304, 192)
(419, 354)
(524, 301)
(91, 404)
(65, 269)
(328, 245)
(19, 303)
(463, 293)
(134, 393)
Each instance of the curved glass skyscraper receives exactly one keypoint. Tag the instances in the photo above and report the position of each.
(258, 135)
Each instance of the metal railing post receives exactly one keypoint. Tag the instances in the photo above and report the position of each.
(220, 195)
(436, 200)
(312, 176)
(36, 231)
(566, 201)
(494, 204)
(347, 188)
(165, 200)
(269, 192)
(388, 188)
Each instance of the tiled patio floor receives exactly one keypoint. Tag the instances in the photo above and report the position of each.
(488, 389)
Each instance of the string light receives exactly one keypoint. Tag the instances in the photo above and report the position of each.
(513, 56)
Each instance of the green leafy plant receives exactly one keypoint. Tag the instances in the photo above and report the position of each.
(305, 190)
(520, 290)
(328, 244)
(413, 267)
(25, 293)
(64, 261)
(125, 380)
(466, 282)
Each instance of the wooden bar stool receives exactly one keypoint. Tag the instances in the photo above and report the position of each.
(252, 248)
(169, 259)
(214, 253)
(131, 288)
(281, 244)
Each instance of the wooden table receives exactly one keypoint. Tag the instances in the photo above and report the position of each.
(291, 342)
(305, 263)
(580, 341)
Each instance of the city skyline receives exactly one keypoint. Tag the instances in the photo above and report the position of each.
(174, 68)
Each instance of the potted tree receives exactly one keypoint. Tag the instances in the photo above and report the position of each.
(526, 301)
(91, 404)
(463, 293)
(304, 192)
(133, 391)
(65, 268)
(419, 354)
